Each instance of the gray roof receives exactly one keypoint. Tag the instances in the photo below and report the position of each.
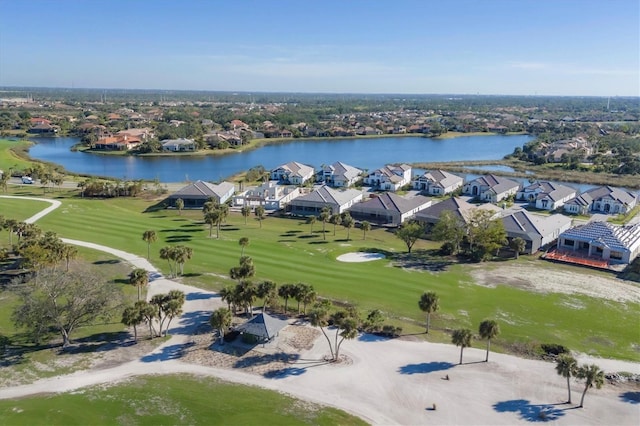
(442, 178)
(203, 190)
(391, 201)
(523, 222)
(605, 234)
(328, 195)
(554, 191)
(297, 169)
(497, 183)
(588, 197)
(341, 169)
(263, 326)
(459, 207)
(181, 141)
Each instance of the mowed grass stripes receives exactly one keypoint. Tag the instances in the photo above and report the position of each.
(285, 251)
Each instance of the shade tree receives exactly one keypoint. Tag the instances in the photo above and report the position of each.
(461, 337)
(409, 233)
(488, 329)
(429, 303)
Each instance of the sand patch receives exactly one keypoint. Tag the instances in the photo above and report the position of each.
(359, 256)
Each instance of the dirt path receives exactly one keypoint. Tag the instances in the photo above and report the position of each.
(384, 382)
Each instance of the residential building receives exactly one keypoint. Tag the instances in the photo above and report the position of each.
(536, 230)
(603, 199)
(270, 195)
(117, 143)
(197, 193)
(491, 188)
(389, 178)
(614, 244)
(460, 209)
(338, 201)
(546, 195)
(293, 173)
(389, 208)
(178, 145)
(437, 182)
(340, 175)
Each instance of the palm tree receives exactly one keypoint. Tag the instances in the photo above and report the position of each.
(366, 227)
(517, 245)
(244, 242)
(246, 211)
(69, 252)
(348, 222)
(179, 206)
(488, 329)
(325, 215)
(246, 292)
(259, 212)
(429, 303)
(149, 237)
(4, 179)
(182, 254)
(267, 291)
(335, 219)
(212, 218)
(592, 376)
(226, 295)
(285, 291)
(132, 317)
(220, 320)
(567, 366)
(462, 338)
(312, 220)
(166, 253)
(139, 278)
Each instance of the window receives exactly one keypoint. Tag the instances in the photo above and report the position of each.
(616, 255)
(569, 243)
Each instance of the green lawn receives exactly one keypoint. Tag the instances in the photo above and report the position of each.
(8, 160)
(285, 251)
(20, 210)
(155, 400)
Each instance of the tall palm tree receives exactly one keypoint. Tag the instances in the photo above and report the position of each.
(311, 220)
(592, 376)
(462, 338)
(166, 253)
(267, 291)
(132, 317)
(179, 206)
(285, 291)
(246, 211)
(366, 227)
(226, 295)
(243, 242)
(149, 237)
(567, 366)
(488, 329)
(348, 222)
(259, 212)
(213, 218)
(429, 302)
(139, 278)
(325, 215)
(335, 219)
(220, 320)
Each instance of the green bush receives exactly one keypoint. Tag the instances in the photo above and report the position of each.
(554, 349)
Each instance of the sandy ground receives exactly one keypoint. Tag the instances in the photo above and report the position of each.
(383, 381)
(359, 256)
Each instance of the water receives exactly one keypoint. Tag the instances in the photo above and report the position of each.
(367, 154)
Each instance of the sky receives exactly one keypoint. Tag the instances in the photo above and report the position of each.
(488, 47)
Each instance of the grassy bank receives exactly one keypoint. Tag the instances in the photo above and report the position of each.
(154, 400)
(285, 250)
(13, 154)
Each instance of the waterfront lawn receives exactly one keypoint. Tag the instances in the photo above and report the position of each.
(285, 251)
(172, 399)
(8, 158)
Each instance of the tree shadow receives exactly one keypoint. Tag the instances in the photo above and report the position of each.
(284, 372)
(168, 353)
(306, 237)
(286, 241)
(425, 367)
(257, 360)
(107, 262)
(190, 322)
(178, 238)
(530, 412)
(630, 397)
(369, 337)
(319, 242)
(201, 296)
(191, 275)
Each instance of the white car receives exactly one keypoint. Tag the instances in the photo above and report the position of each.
(27, 179)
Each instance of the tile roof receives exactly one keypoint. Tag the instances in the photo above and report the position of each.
(391, 201)
(201, 189)
(605, 234)
(328, 195)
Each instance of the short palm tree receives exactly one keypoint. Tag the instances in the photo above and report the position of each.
(139, 278)
(429, 303)
(149, 237)
(462, 338)
(488, 329)
(567, 366)
(592, 376)
(366, 227)
(220, 320)
(243, 242)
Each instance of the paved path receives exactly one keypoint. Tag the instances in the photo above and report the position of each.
(387, 381)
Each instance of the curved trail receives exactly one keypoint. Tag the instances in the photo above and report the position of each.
(388, 381)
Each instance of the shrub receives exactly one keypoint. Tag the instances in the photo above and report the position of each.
(554, 349)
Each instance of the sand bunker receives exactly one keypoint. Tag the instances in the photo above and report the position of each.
(360, 256)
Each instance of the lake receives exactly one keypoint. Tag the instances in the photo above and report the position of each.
(370, 154)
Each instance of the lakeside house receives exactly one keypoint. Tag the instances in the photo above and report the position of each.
(461, 210)
(197, 193)
(437, 182)
(491, 188)
(603, 199)
(178, 145)
(546, 195)
(340, 175)
(292, 173)
(117, 143)
(389, 177)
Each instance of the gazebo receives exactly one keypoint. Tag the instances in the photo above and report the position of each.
(263, 326)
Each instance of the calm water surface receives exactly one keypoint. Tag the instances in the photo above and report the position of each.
(364, 153)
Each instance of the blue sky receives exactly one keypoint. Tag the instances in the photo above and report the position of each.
(514, 47)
